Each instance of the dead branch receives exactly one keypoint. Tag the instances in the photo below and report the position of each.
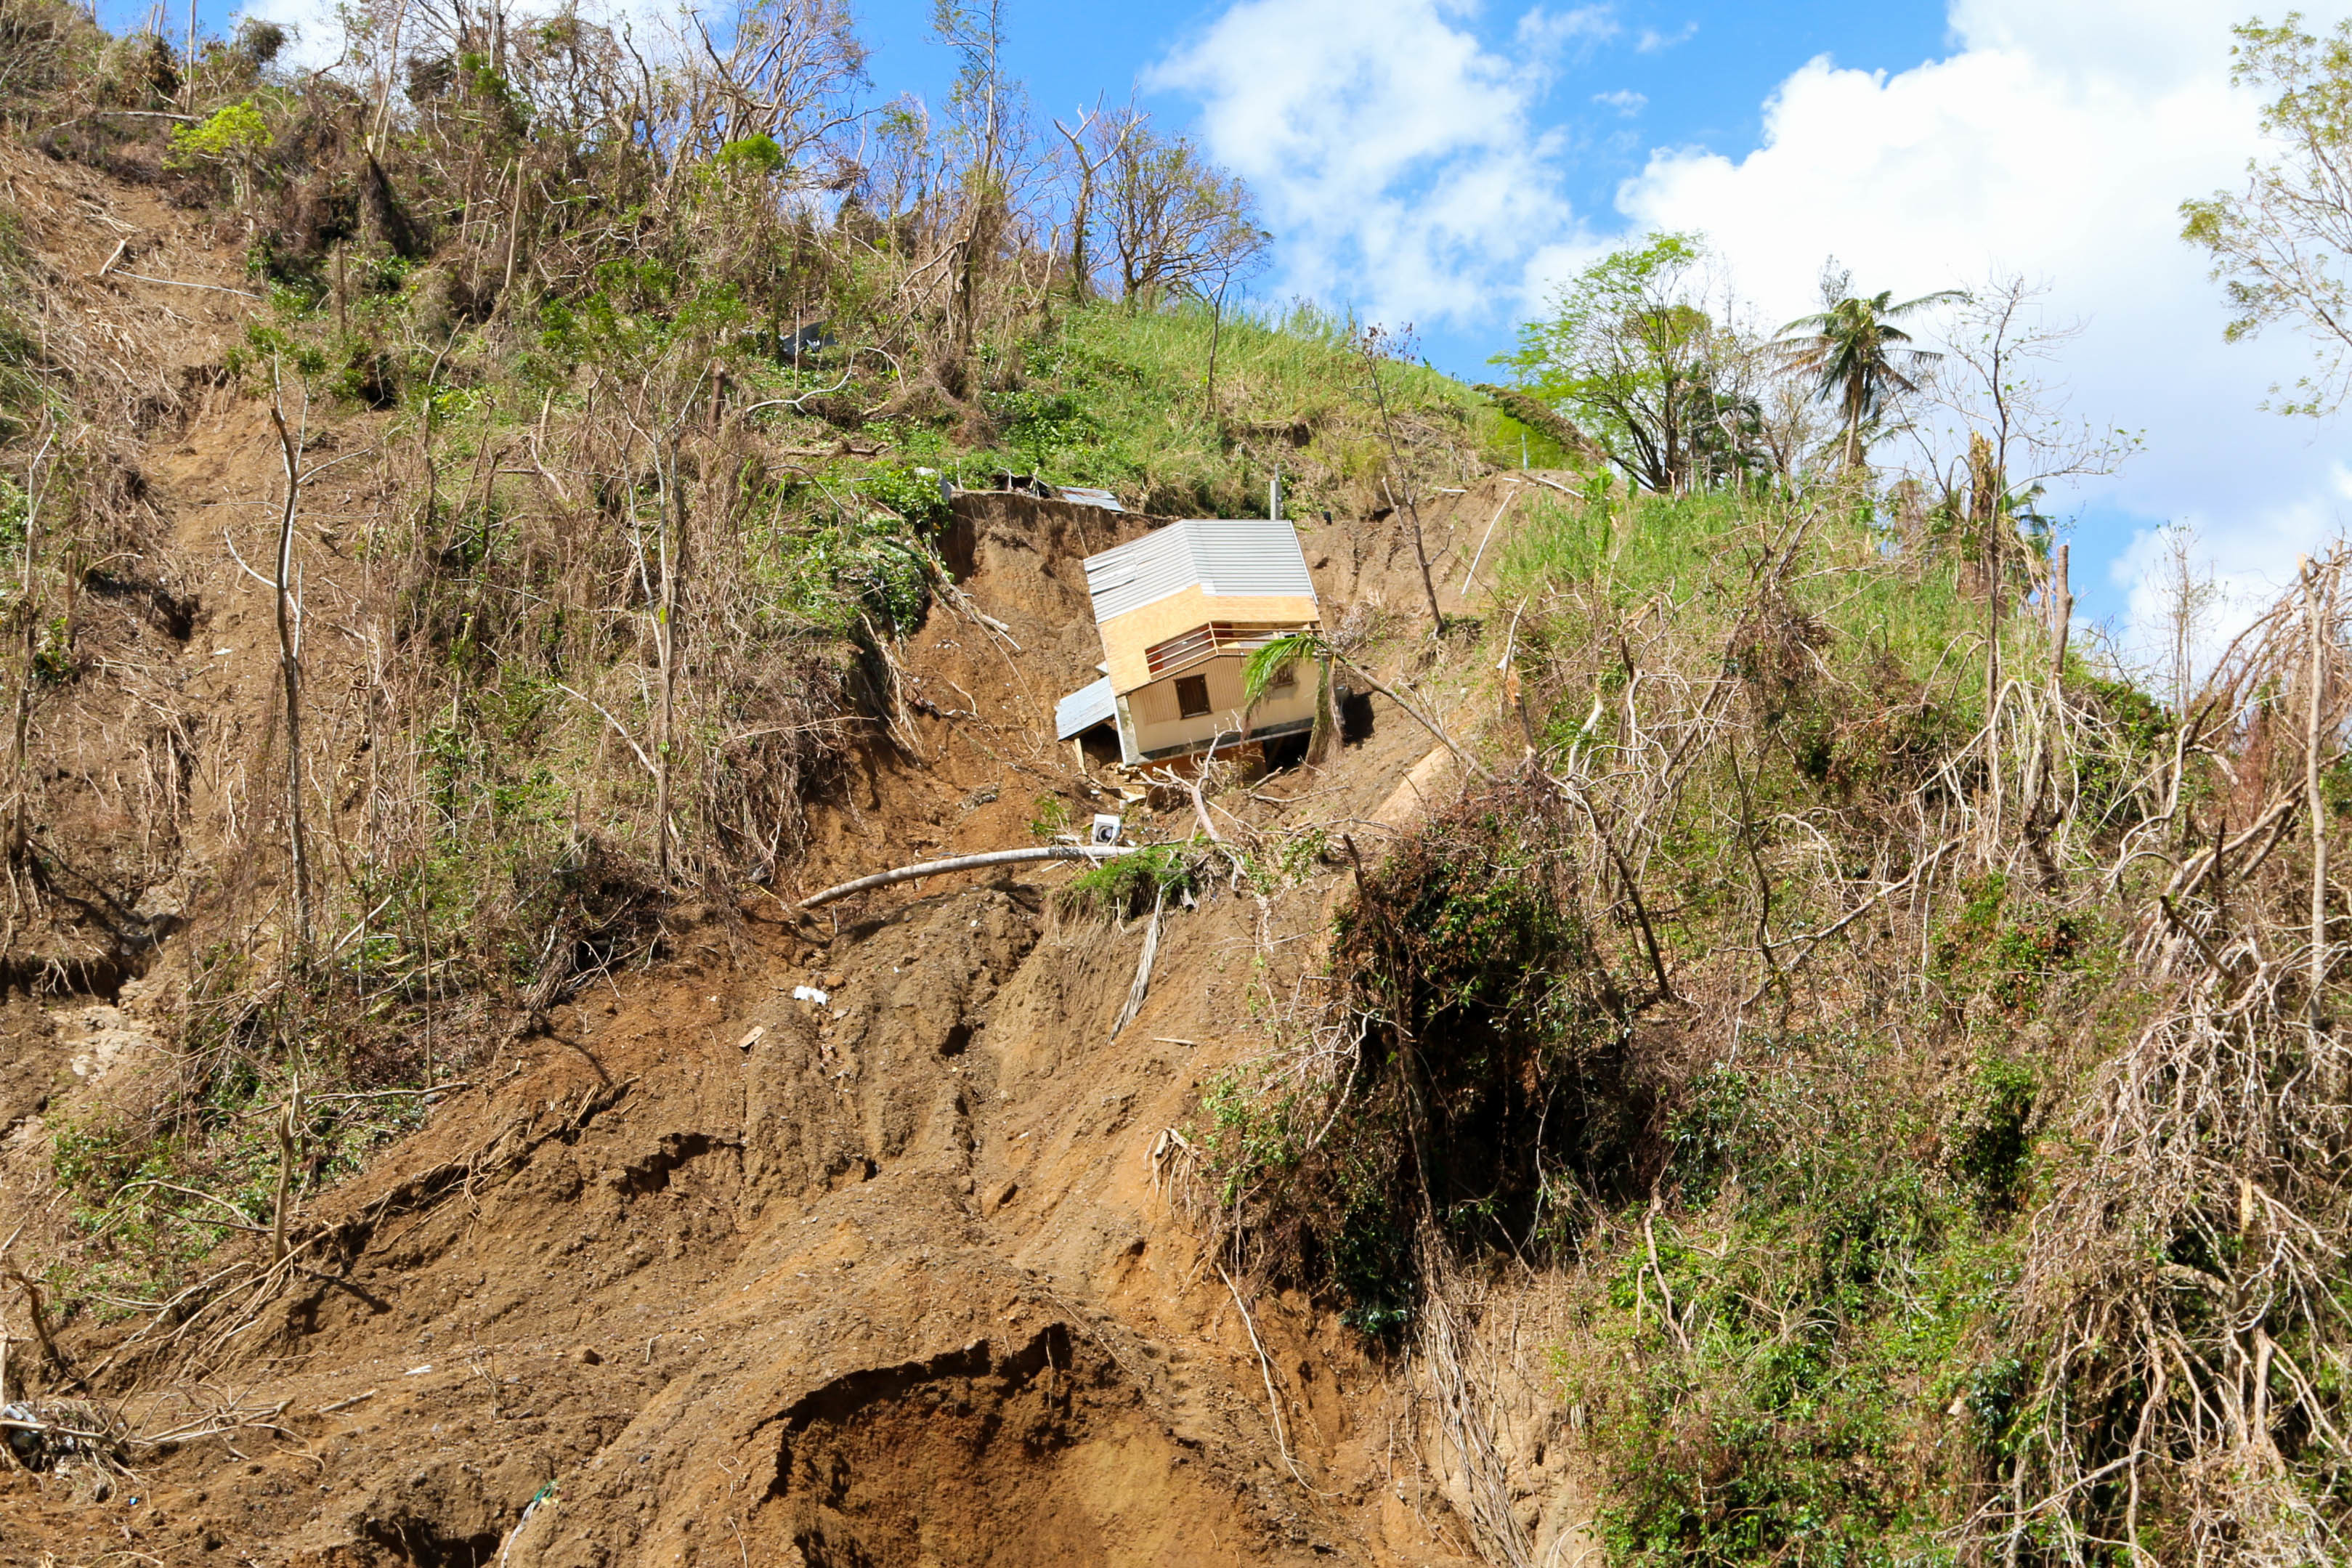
(965, 862)
(289, 670)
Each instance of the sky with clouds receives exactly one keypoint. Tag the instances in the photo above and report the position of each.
(1446, 163)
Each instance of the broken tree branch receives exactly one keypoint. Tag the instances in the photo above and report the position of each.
(966, 862)
(289, 670)
(1142, 986)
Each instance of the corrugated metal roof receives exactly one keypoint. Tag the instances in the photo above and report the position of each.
(1229, 557)
(1084, 708)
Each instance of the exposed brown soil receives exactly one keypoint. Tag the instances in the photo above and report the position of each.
(719, 1276)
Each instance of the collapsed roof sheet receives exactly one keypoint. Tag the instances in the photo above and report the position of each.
(1083, 709)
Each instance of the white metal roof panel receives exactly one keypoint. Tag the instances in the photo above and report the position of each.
(1084, 708)
(1085, 496)
(1238, 558)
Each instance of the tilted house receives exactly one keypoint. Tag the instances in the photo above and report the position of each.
(1180, 610)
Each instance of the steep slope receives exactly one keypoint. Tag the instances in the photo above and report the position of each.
(702, 1270)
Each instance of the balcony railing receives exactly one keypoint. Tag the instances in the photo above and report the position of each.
(1188, 648)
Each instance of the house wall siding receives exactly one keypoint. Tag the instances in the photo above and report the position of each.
(1161, 726)
(1128, 638)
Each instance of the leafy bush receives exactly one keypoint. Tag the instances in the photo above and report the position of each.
(754, 155)
(1491, 1074)
(235, 130)
(1134, 883)
(1772, 1364)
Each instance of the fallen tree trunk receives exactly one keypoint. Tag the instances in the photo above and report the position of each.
(965, 862)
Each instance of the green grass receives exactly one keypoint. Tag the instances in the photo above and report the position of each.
(1707, 552)
(1120, 398)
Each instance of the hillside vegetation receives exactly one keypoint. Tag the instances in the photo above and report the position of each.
(1810, 1065)
(653, 433)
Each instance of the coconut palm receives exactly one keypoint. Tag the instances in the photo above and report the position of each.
(1858, 356)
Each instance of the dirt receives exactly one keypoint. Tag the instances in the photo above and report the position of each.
(704, 1273)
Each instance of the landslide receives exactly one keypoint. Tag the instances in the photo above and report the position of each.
(688, 1268)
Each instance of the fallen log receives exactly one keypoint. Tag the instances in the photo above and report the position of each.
(965, 862)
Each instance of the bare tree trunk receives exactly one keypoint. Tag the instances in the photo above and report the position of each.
(2062, 610)
(964, 863)
(288, 1121)
(20, 814)
(2314, 804)
(514, 231)
(984, 180)
(290, 671)
(1082, 213)
(670, 545)
(2041, 803)
(383, 98)
(1984, 504)
(1405, 502)
(1421, 559)
(1216, 331)
(1984, 501)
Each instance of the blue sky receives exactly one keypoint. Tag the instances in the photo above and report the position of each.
(1671, 74)
(1446, 163)
(1708, 86)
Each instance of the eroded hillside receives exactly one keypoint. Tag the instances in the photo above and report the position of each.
(687, 1269)
(1751, 1040)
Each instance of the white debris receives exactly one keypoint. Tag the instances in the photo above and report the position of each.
(418, 1371)
(810, 993)
(102, 1037)
(759, 1032)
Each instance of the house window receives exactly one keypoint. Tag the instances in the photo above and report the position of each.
(1192, 695)
(1284, 679)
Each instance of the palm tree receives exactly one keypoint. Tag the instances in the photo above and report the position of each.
(1857, 356)
(1259, 670)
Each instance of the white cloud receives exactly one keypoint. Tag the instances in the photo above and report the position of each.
(1651, 40)
(1399, 159)
(2058, 141)
(1408, 168)
(317, 36)
(1623, 100)
(1546, 33)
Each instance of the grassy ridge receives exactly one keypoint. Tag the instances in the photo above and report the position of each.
(1123, 399)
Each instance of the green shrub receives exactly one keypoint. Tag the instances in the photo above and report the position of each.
(1989, 1144)
(754, 155)
(1053, 817)
(1491, 1081)
(1133, 883)
(234, 131)
(1832, 1298)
